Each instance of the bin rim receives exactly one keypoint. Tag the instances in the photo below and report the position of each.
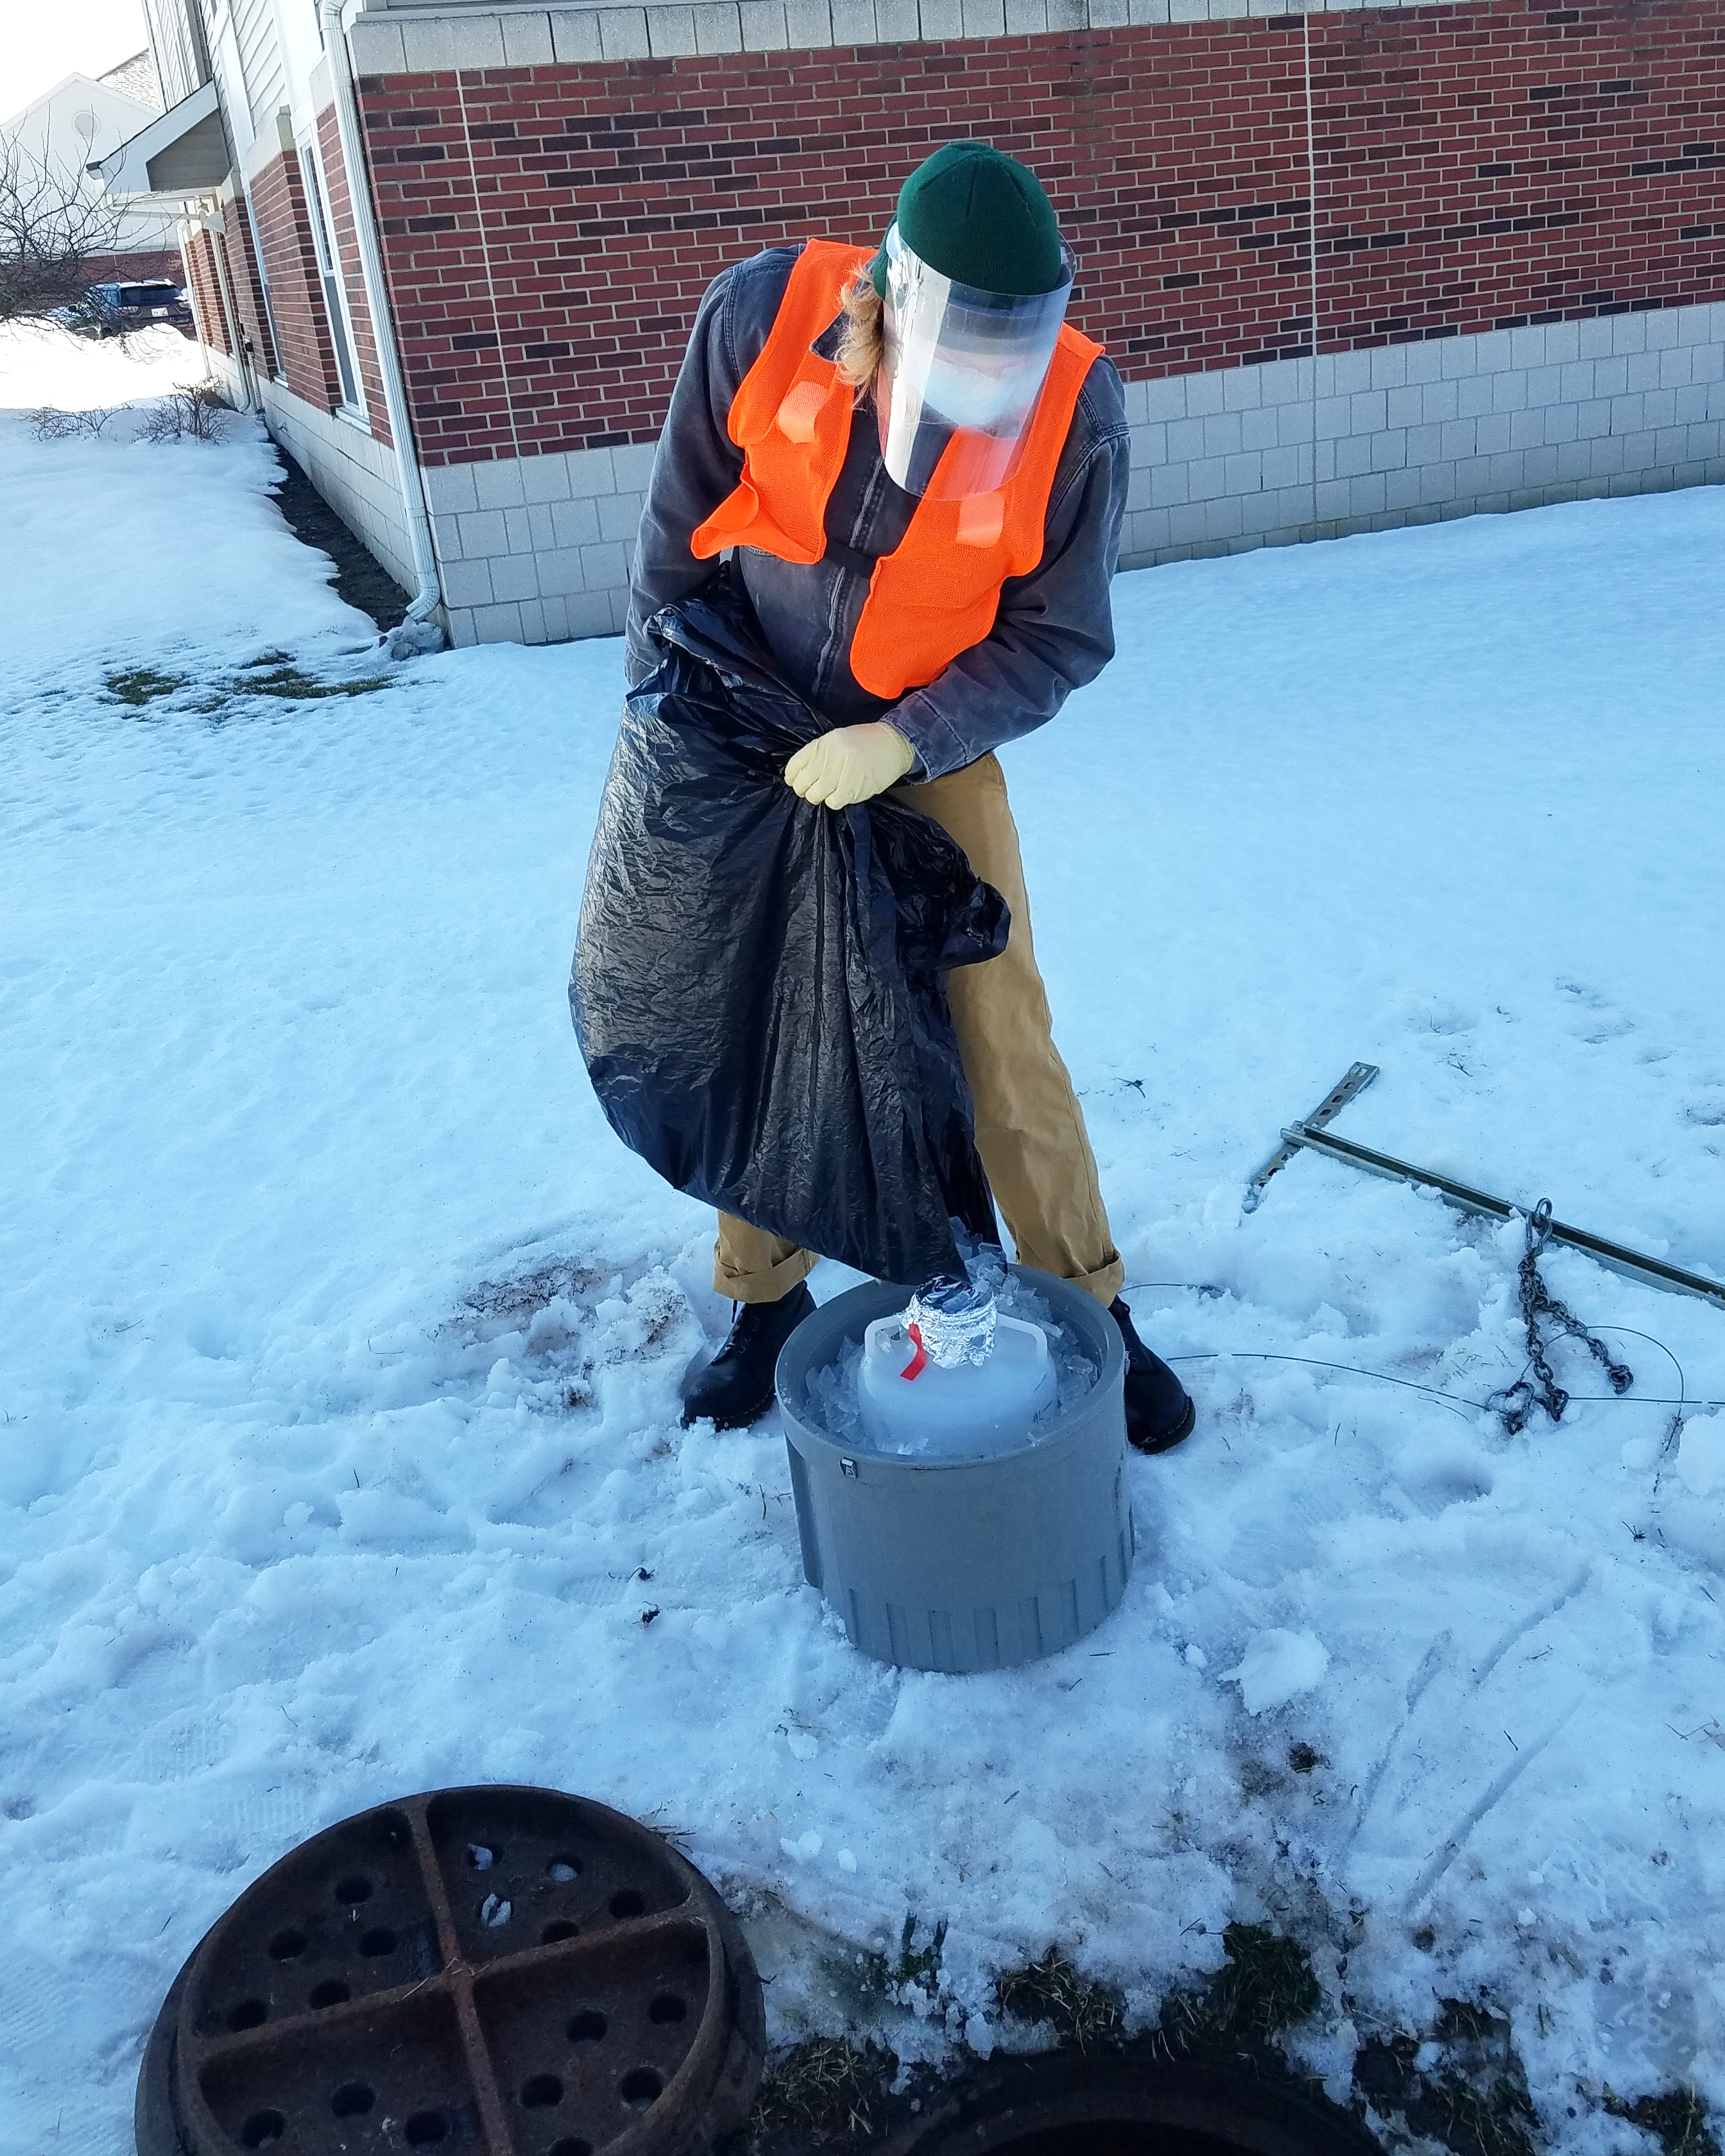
(794, 1366)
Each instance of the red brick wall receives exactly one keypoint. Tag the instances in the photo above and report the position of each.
(347, 257)
(308, 360)
(1477, 165)
(206, 293)
(248, 290)
(1485, 167)
(136, 268)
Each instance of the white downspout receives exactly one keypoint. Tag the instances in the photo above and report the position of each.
(429, 596)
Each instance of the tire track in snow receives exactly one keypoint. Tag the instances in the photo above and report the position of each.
(1436, 1655)
(1535, 1618)
(1446, 1853)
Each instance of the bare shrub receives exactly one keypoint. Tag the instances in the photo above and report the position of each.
(50, 425)
(194, 413)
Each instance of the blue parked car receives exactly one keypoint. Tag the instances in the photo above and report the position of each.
(111, 310)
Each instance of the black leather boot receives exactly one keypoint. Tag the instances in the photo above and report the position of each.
(1159, 1414)
(735, 1388)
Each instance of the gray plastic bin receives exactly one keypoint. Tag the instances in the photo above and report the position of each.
(964, 1564)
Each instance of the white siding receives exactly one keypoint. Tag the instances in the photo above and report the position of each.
(260, 58)
(180, 59)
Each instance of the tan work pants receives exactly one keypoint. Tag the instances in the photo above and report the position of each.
(1029, 1129)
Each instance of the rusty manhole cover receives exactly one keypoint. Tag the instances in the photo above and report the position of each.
(505, 1970)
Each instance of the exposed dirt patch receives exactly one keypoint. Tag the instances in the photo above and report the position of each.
(360, 578)
(1265, 1986)
(507, 1302)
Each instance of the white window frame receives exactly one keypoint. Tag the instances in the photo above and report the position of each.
(353, 406)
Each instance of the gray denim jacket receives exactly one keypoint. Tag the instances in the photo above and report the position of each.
(1054, 632)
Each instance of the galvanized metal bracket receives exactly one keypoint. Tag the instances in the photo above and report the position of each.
(1313, 1137)
(1359, 1077)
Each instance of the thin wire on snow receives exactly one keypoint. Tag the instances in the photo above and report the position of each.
(1493, 1403)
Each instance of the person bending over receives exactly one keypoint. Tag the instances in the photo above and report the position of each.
(920, 471)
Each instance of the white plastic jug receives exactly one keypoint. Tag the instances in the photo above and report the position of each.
(955, 1412)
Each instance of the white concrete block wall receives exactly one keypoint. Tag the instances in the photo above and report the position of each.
(354, 474)
(537, 550)
(1408, 433)
(422, 36)
(228, 376)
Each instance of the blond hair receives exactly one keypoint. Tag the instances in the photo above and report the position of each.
(861, 341)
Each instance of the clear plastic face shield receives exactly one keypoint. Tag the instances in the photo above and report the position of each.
(961, 372)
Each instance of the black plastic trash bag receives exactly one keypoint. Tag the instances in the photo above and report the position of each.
(756, 988)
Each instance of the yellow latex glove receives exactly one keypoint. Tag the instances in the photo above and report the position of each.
(851, 764)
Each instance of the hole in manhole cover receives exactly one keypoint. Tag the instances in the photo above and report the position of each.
(1067, 2105)
(509, 1971)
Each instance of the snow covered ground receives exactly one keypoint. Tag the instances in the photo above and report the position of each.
(338, 1444)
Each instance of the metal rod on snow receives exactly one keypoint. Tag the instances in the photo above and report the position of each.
(1615, 1255)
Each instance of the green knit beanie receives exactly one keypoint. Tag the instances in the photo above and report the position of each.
(980, 218)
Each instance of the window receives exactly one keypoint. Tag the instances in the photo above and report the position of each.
(335, 299)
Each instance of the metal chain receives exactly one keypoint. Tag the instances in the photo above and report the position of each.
(1547, 1320)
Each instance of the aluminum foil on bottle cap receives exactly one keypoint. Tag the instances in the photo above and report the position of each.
(953, 1318)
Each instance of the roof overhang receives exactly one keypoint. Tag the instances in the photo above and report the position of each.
(183, 154)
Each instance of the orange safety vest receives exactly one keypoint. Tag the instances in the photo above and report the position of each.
(937, 592)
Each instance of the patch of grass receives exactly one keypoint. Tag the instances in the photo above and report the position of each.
(287, 680)
(1084, 2016)
(1476, 2104)
(1302, 1759)
(824, 2090)
(1265, 1985)
(1470, 2021)
(920, 1966)
(1679, 2121)
(143, 684)
(274, 675)
(1473, 2122)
